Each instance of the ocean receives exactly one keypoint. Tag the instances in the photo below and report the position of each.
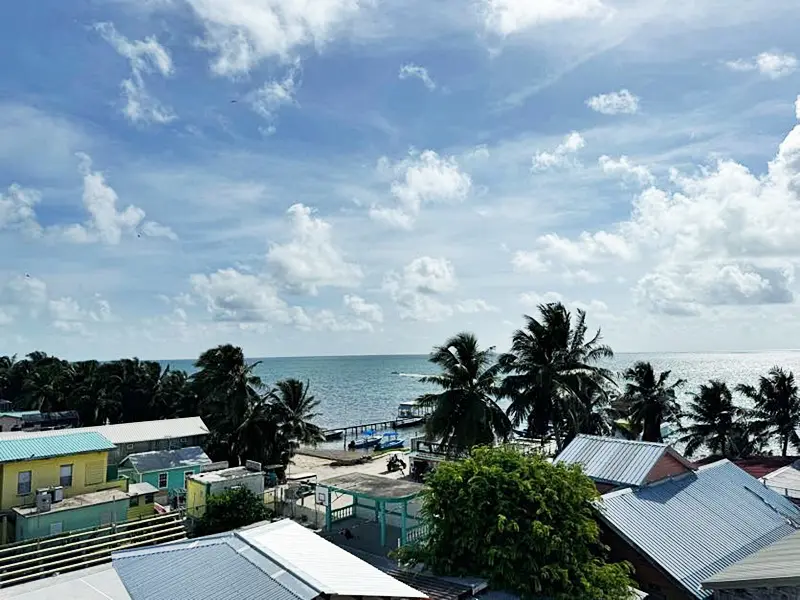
(363, 389)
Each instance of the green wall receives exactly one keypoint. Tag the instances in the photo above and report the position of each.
(38, 525)
(174, 477)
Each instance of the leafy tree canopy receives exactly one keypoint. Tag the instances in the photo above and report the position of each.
(231, 509)
(526, 525)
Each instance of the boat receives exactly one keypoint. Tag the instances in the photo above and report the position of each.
(334, 434)
(368, 439)
(390, 441)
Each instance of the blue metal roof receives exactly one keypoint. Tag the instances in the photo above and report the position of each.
(696, 525)
(32, 448)
(213, 568)
(616, 461)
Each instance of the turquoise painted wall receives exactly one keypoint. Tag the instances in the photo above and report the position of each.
(77, 518)
(174, 477)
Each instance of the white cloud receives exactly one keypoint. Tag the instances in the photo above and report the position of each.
(721, 236)
(106, 223)
(361, 308)
(528, 262)
(24, 293)
(17, 210)
(561, 156)
(242, 33)
(274, 94)
(430, 275)
(145, 56)
(614, 103)
(474, 305)
(534, 299)
(595, 309)
(421, 73)
(797, 108)
(770, 64)
(505, 17)
(625, 169)
(310, 260)
(69, 316)
(424, 178)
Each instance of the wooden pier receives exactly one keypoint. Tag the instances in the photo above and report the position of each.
(353, 431)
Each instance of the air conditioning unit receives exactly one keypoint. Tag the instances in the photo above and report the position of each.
(43, 500)
(58, 493)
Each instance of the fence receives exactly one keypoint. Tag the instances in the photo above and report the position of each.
(416, 533)
(33, 559)
(338, 514)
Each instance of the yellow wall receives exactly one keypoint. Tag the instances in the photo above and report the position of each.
(195, 498)
(88, 475)
(144, 509)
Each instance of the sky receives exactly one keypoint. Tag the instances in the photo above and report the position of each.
(330, 177)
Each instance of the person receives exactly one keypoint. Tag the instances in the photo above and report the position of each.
(352, 445)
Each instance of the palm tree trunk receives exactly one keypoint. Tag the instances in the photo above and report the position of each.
(785, 448)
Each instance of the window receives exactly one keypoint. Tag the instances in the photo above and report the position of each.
(65, 476)
(186, 476)
(162, 480)
(56, 528)
(129, 446)
(23, 483)
(148, 498)
(183, 440)
(134, 501)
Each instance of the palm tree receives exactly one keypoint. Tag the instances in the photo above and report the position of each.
(714, 421)
(295, 412)
(649, 401)
(591, 412)
(549, 365)
(776, 407)
(228, 392)
(464, 413)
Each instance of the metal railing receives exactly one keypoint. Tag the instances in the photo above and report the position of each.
(416, 533)
(338, 514)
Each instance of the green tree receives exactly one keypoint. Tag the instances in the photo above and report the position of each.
(295, 410)
(714, 420)
(465, 413)
(550, 369)
(649, 401)
(776, 410)
(230, 510)
(526, 525)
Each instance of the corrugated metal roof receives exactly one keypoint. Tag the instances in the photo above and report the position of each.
(54, 445)
(18, 413)
(615, 461)
(321, 564)
(696, 525)
(161, 460)
(128, 433)
(205, 569)
(776, 565)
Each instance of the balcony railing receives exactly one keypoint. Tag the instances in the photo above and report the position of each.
(425, 449)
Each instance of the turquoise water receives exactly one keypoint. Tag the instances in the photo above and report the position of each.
(364, 389)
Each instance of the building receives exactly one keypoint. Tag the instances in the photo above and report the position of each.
(785, 481)
(680, 531)
(166, 470)
(202, 486)
(73, 463)
(33, 420)
(614, 463)
(266, 561)
(95, 509)
(142, 436)
(770, 574)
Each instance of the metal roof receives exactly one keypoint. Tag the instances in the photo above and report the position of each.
(93, 583)
(616, 461)
(162, 460)
(216, 568)
(62, 444)
(18, 413)
(695, 525)
(777, 565)
(321, 564)
(129, 433)
(373, 486)
(785, 481)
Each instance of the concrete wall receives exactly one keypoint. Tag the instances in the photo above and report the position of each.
(88, 475)
(781, 593)
(95, 515)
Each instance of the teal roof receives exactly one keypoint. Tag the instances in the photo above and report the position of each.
(18, 413)
(52, 445)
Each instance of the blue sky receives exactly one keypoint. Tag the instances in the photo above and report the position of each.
(364, 176)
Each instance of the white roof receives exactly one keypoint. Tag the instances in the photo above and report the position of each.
(785, 481)
(127, 433)
(94, 583)
(321, 564)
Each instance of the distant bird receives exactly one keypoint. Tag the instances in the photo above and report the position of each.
(234, 101)
(28, 275)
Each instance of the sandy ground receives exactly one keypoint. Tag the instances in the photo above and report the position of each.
(324, 469)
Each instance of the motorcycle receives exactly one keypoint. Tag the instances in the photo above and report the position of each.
(395, 463)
